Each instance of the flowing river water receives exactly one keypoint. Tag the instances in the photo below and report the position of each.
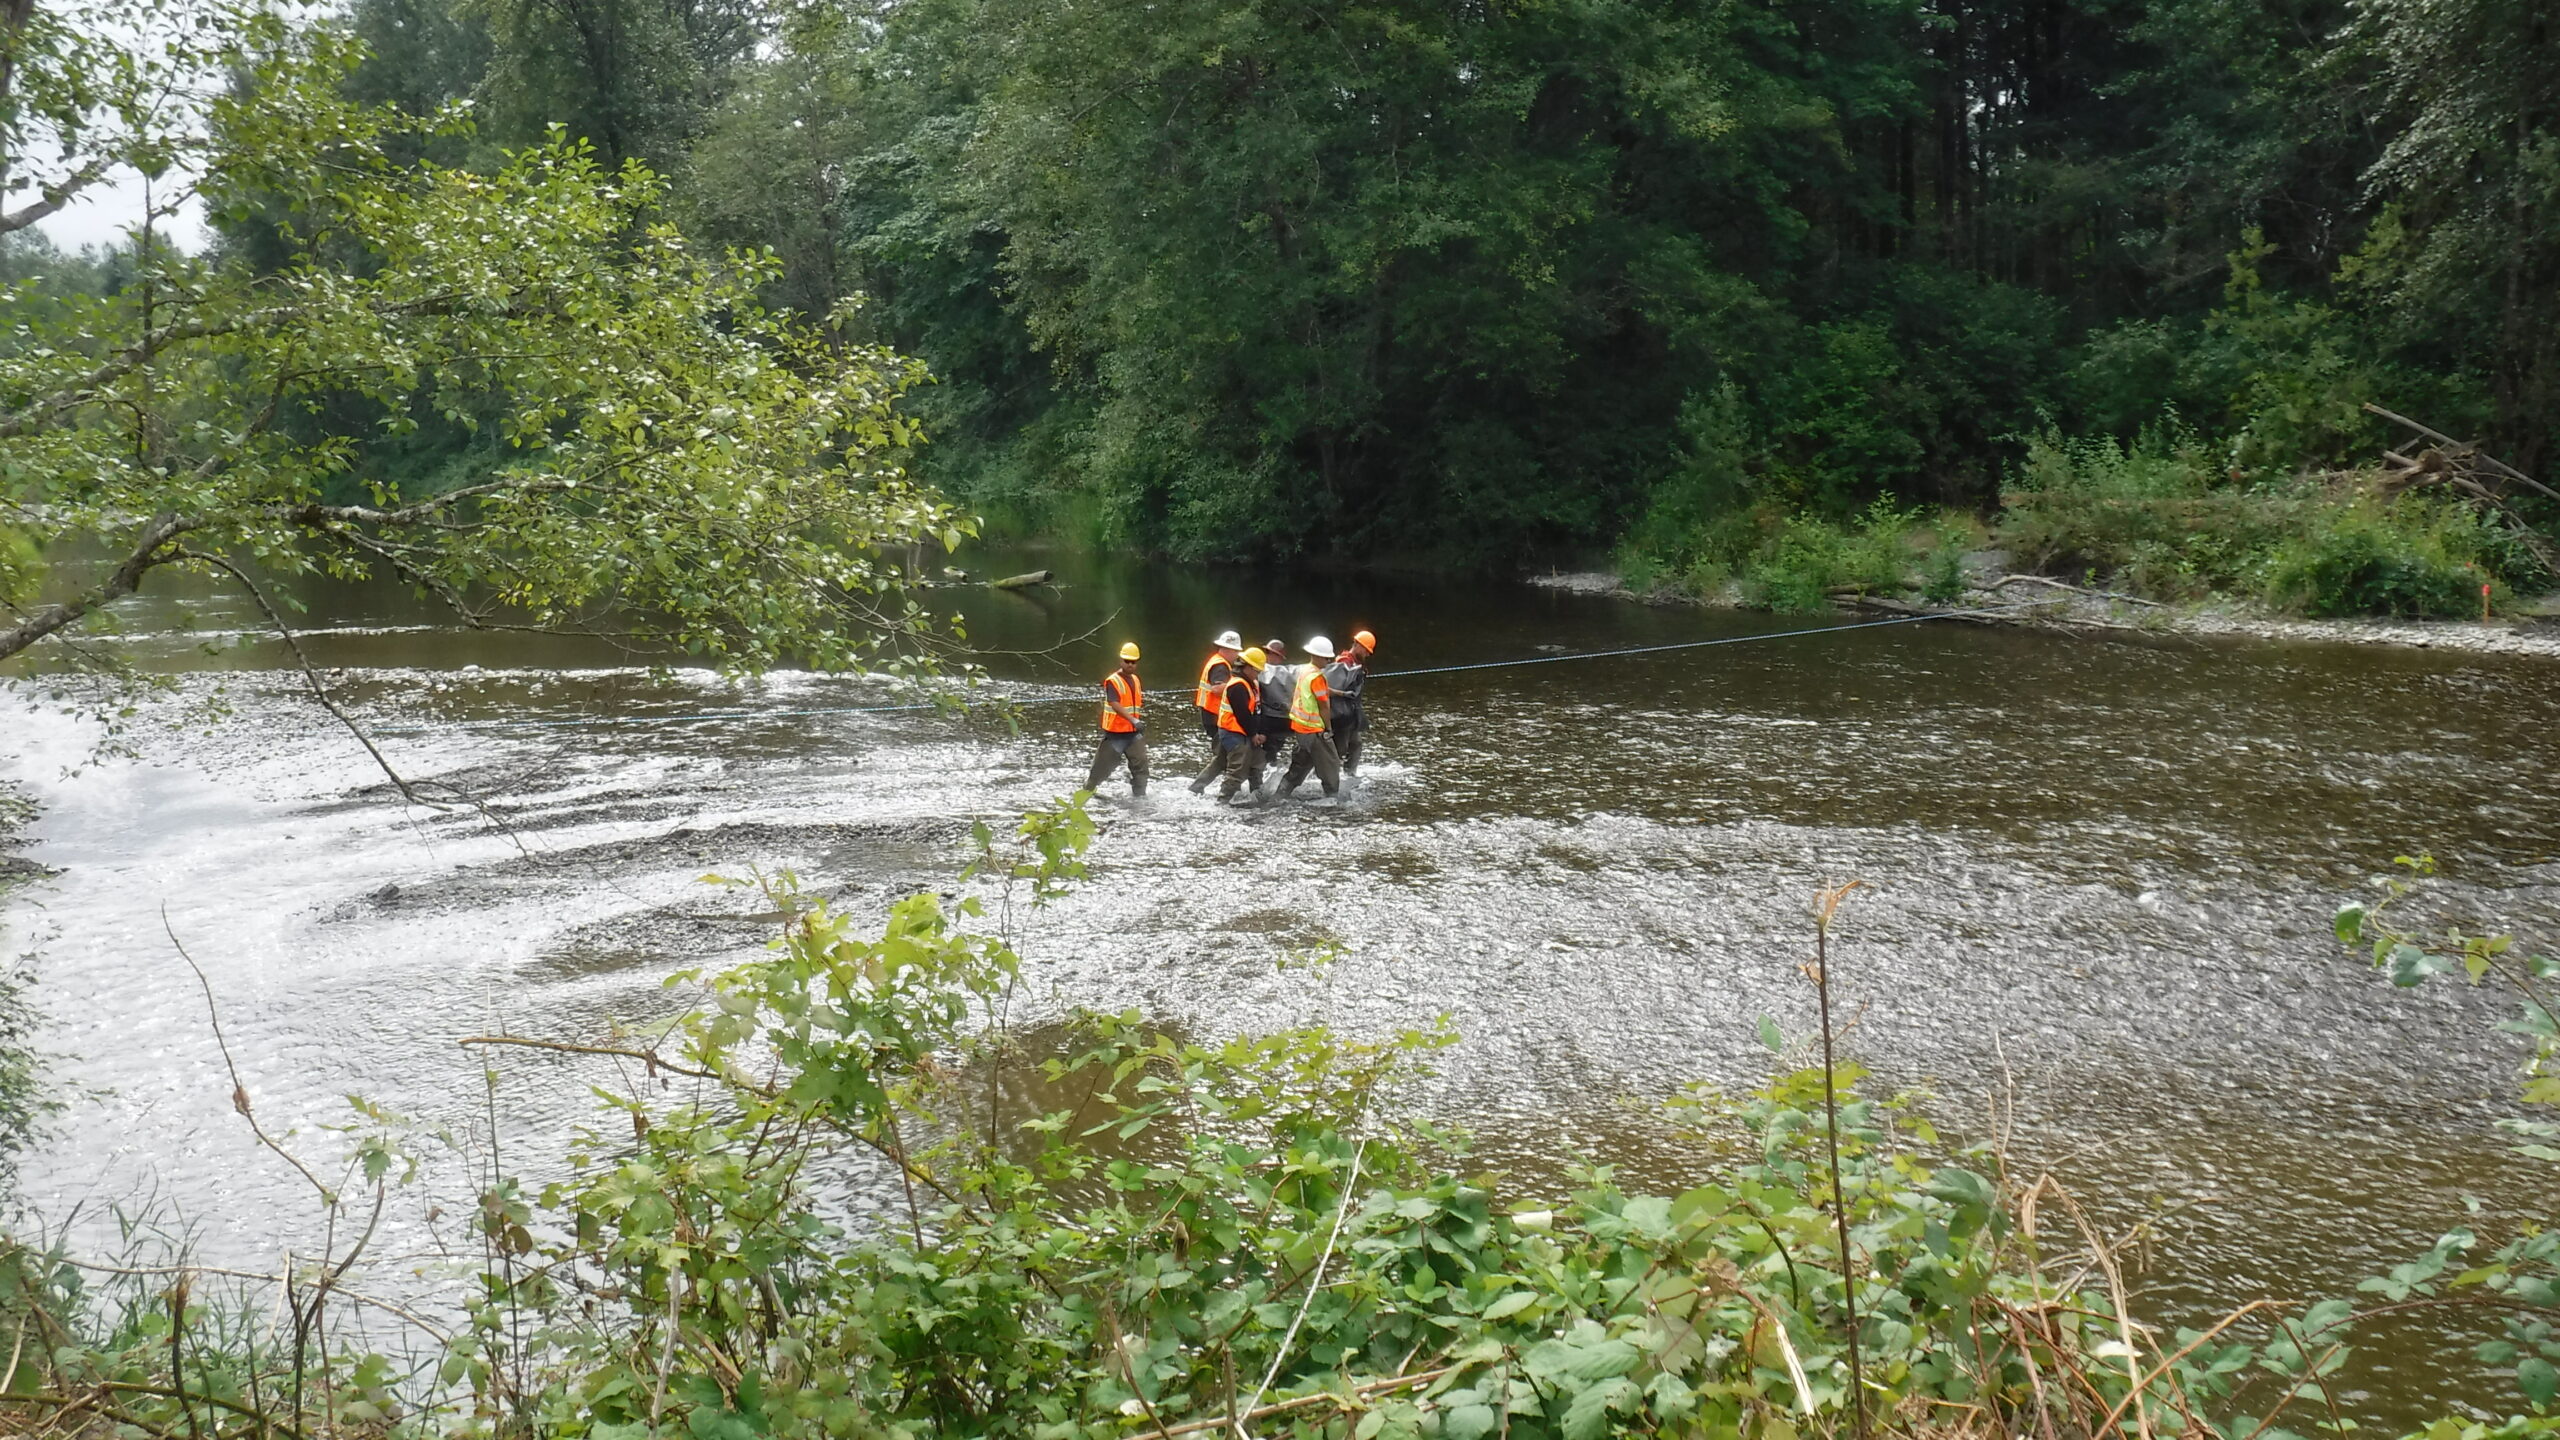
(2098, 875)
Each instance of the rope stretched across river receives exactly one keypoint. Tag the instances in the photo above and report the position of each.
(1693, 644)
(1083, 698)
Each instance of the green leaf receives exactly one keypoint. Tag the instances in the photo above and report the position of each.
(2349, 923)
(2408, 965)
(1467, 1422)
(1649, 1217)
(1970, 1194)
(1510, 1304)
(1586, 1416)
(2537, 1379)
(1769, 1035)
(1583, 1356)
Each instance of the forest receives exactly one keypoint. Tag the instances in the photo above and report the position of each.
(1483, 284)
(1486, 286)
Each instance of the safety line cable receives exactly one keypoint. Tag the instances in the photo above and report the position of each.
(1082, 698)
(1698, 644)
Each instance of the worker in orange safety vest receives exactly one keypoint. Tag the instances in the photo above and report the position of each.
(1124, 726)
(1215, 671)
(1241, 752)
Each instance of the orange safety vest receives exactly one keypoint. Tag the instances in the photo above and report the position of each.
(1228, 720)
(1205, 696)
(1124, 689)
(1307, 705)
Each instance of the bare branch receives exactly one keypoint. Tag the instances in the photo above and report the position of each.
(239, 1091)
(310, 675)
(2475, 451)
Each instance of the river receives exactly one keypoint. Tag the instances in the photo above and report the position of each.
(2096, 871)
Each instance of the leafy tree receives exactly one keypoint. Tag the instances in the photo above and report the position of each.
(2469, 252)
(1324, 270)
(717, 478)
(636, 77)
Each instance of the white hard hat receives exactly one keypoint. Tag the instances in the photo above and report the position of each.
(1228, 640)
(1319, 647)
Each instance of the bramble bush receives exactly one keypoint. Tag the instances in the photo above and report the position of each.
(1179, 1236)
(2159, 517)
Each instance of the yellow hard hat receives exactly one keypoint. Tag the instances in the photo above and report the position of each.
(1254, 657)
(1129, 650)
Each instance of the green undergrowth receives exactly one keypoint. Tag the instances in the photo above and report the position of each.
(1103, 1230)
(1771, 559)
(2160, 518)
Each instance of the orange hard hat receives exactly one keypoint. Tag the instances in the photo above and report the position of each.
(1364, 639)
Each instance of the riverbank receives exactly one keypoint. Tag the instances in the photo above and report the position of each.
(2036, 602)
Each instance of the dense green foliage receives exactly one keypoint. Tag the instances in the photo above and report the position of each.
(1375, 278)
(849, 1197)
(1471, 284)
(621, 435)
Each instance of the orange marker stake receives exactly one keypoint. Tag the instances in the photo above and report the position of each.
(2484, 602)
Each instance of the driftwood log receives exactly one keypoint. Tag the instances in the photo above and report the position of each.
(2462, 452)
(1024, 581)
(2463, 468)
(2008, 580)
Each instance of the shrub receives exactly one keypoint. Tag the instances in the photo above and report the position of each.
(2155, 515)
(2158, 518)
(1811, 559)
(2411, 559)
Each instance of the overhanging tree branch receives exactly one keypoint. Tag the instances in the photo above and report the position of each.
(53, 197)
(310, 675)
(149, 553)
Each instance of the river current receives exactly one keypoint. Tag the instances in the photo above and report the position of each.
(2097, 875)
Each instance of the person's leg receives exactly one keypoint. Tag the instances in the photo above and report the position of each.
(1137, 766)
(1346, 741)
(1106, 758)
(1301, 755)
(1328, 762)
(1217, 765)
(1233, 761)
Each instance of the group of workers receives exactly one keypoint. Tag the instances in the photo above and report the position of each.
(1252, 706)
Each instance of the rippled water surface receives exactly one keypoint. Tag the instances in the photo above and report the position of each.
(2097, 870)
